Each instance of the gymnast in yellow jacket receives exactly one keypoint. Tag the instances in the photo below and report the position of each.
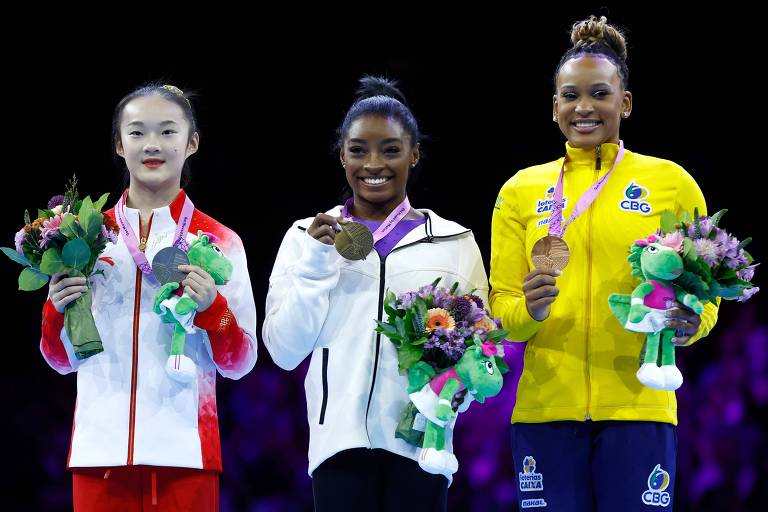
(587, 435)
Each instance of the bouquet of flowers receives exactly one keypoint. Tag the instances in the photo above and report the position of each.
(451, 349)
(67, 237)
(715, 263)
(690, 261)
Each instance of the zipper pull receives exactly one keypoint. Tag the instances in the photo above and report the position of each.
(598, 163)
(143, 244)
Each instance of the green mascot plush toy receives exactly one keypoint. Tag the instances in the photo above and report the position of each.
(436, 400)
(657, 265)
(180, 309)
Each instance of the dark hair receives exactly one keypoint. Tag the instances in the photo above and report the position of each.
(379, 96)
(596, 37)
(169, 92)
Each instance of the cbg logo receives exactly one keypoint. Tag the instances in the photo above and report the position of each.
(634, 199)
(658, 481)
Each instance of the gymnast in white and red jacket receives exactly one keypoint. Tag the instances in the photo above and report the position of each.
(139, 436)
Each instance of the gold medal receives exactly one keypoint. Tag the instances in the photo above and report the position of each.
(550, 253)
(354, 241)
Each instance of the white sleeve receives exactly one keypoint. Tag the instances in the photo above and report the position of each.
(304, 274)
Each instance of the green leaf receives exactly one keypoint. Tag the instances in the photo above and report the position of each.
(745, 242)
(408, 355)
(689, 252)
(434, 283)
(725, 273)
(420, 341)
(454, 288)
(52, 262)
(668, 222)
(496, 335)
(27, 220)
(92, 226)
(76, 254)
(99, 205)
(685, 217)
(716, 217)
(418, 321)
(400, 326)
(31, 279)
(45, 214)
(15, 256)
(67, 226)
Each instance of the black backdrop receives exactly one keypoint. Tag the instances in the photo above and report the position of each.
(270, 98)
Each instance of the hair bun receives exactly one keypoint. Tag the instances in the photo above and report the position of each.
(371, 86)
(597, 31)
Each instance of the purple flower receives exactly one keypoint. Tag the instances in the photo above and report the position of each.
(747, 273)
(476, 313)
(108, 234)
(441, 297)
(705, 226)
(425, 291)
(738, 261)
(477, 300)
(55, 201)
(19, 239)
(460, 307)
(406, 299)
(747, 293)
(708, 250)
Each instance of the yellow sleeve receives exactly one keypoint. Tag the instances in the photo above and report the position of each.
(689, 196)
(509, 266)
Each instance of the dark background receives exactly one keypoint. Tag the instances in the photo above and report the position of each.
(271, 93)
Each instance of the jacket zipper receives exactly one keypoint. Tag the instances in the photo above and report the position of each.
(588, 315)
(135, 358)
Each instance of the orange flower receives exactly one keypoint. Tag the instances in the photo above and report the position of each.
(110, 224)
(486, 324)
(438, 318)
(37, 223)
(27, 228)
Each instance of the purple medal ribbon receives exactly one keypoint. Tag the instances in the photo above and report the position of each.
(392, 220)
(179, 239)
(556, 228)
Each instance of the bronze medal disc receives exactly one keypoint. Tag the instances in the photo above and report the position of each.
(354, 241)
(550, 252)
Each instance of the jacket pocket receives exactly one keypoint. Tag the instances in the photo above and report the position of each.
(325, 385)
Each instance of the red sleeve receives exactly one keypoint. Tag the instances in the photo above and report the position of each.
(50, 342)
(230, 345)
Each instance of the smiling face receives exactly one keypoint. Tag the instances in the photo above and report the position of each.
(155, 141)
(590, 101)
(377, 155)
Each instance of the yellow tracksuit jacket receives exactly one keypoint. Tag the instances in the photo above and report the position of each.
(580, 362)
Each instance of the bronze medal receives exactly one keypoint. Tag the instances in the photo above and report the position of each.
(550, 253)
(354, 241)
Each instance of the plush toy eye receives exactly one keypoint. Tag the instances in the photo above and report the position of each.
(652, 249)
(218, 251)
(489, 367)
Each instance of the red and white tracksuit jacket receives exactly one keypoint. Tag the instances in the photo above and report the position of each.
(128, 410)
